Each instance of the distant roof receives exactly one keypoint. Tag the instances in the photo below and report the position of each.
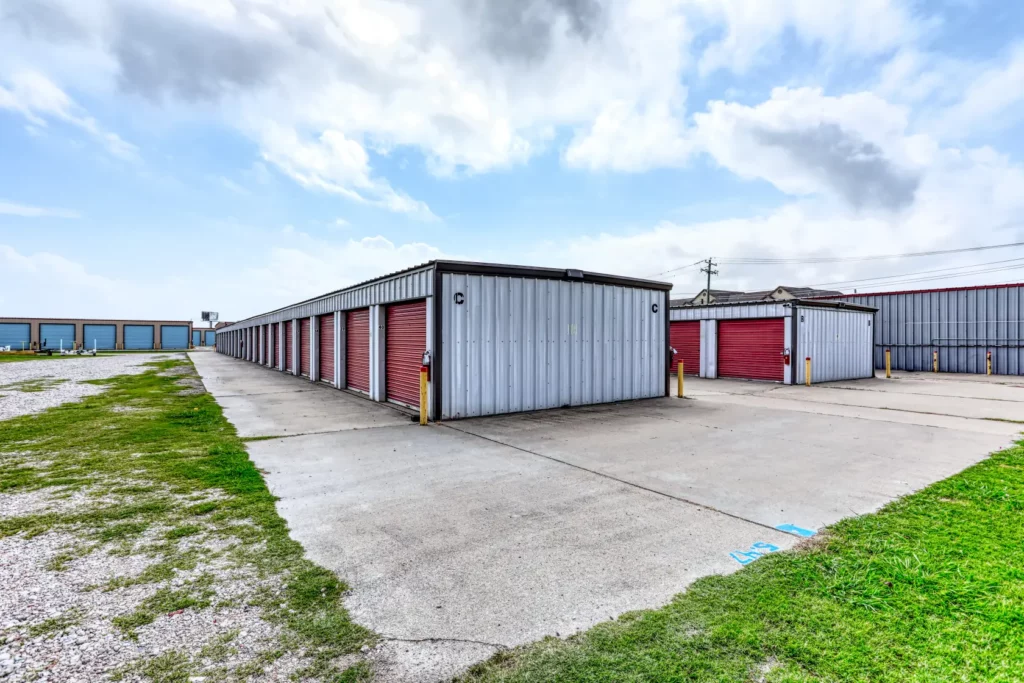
(728, 296)
(805, 292)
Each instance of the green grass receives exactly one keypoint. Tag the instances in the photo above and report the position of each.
(30, 386)
(173, 472)
(55, 625)
(929, 589)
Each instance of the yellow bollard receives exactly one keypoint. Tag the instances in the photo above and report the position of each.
(807, 370)
(679, 379)
(988, 360)
(423, 394)
(935, 361)
(888, 364)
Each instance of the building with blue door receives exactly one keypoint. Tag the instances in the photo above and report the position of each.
(139, 337)
(100, 337)
(57, 336)
(106, 335)
(197, 337)
(211, 338)
(174, 337)
(18, 336)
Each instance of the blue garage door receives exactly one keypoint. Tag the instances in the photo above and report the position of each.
(211, 338)
(99, 336)
(15, 335)
(52, 336)
(138, 336)
(174, 337)
(197, 337)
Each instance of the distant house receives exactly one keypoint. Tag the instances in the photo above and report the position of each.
(727, 296)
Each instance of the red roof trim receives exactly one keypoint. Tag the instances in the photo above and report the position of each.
(922, 291)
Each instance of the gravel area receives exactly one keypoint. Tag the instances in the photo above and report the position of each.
(71, 597)
(61, 379)
(81, 644)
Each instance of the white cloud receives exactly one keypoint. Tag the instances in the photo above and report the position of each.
(334, 163)
(624, 139)
(865, 184)
(753, 27)
(854, 147)
(28, 211)
(991, 99)
(294, 268)
(38, 99)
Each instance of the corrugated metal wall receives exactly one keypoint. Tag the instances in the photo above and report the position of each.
(730, 312)
(838, 342)
(962, 325)
(517, 344)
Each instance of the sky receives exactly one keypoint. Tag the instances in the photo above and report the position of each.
(159, 158)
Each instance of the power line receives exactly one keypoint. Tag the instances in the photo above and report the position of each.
(868, 280)
(672, 270)
(948, 276)
(852, 259)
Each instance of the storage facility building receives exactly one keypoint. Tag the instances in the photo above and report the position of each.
(496, 338)
(962, 324)
(104, 335)
(770, 341)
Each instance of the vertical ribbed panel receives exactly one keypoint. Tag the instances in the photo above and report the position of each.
(684, 337)
(752, 348)
(357, 350)
(288, 343)
(838, 342)
(961, 324)
(517, 344)
(304, 347)
(326, 350)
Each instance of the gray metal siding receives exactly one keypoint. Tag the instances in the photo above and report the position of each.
(99, 336)
(417, 284)
(962, 325)
(838, 342)
(765, 310)
(53, 335)
(518, 344)
(16, 335)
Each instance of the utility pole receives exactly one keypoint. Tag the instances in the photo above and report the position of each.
(709, 268)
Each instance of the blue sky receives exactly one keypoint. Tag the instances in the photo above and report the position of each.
(159, 159)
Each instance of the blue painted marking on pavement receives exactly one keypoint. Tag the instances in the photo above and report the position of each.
(794, 529)
(757, 550)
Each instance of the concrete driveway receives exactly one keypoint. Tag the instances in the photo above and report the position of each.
(463, 538)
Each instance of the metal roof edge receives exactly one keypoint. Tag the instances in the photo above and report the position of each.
(405, 271)
(806, 303)
(499, 269)
(473, 267)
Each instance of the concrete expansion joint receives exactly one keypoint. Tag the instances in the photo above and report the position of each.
(394, 639)
(624, 482)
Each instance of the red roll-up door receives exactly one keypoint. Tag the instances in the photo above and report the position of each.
(357, 350)
(277, 345)
(288, 346)
(327, 348)
(406, 340)
(304, 351)
(684, 337)
(752, 349)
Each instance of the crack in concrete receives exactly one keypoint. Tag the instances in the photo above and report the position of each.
(393, 639)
